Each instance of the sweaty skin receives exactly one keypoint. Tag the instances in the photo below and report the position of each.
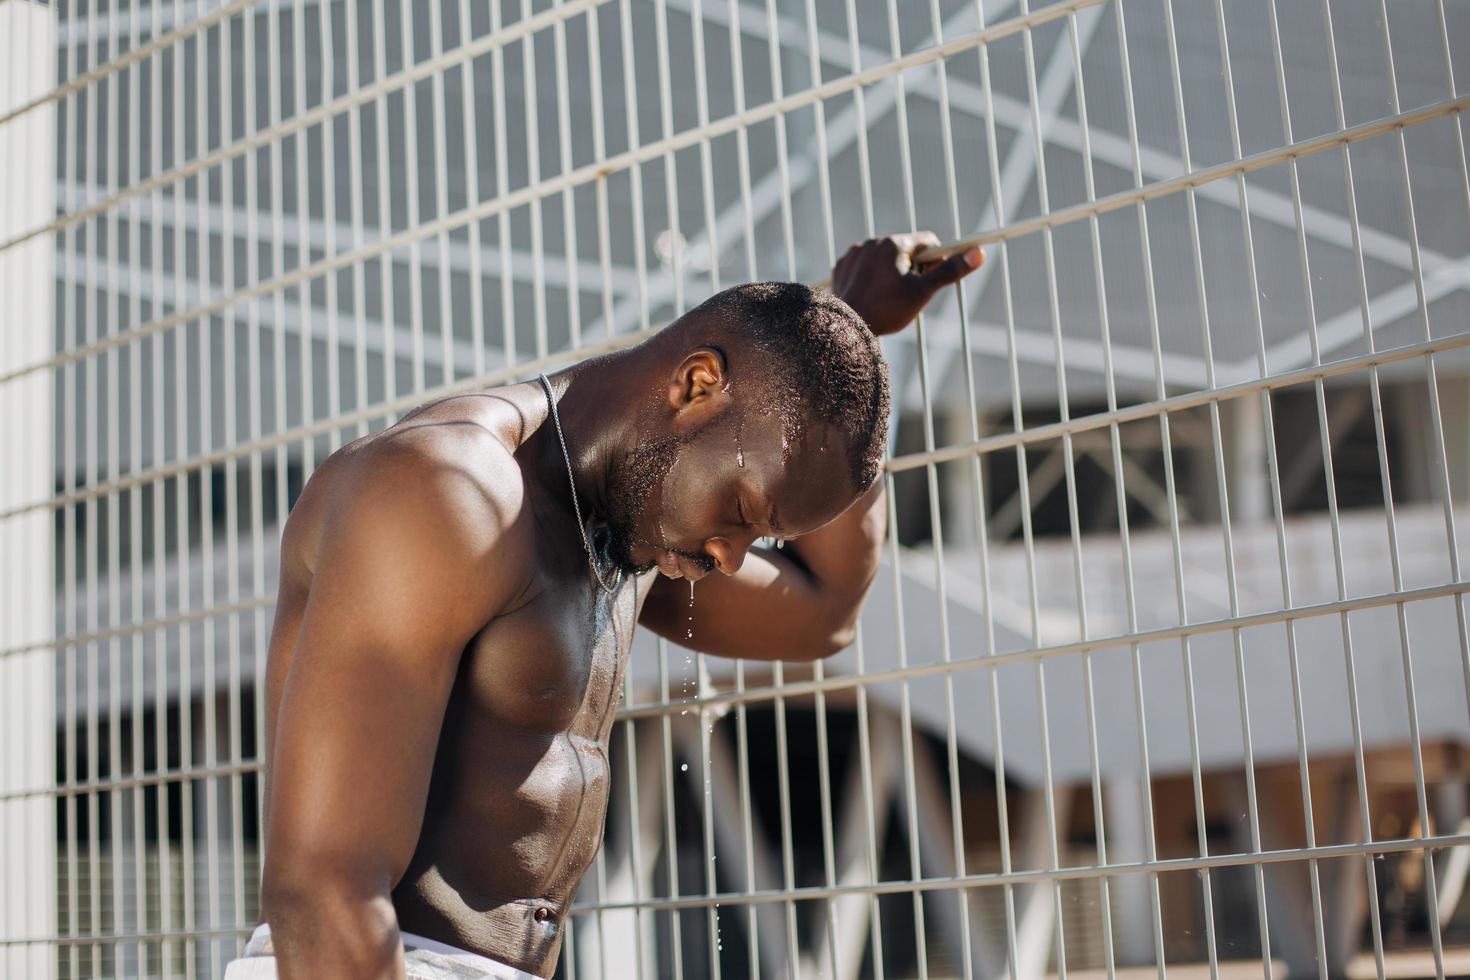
(443, 669)
(514, 808)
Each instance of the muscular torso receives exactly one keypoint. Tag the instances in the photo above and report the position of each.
(519, 789)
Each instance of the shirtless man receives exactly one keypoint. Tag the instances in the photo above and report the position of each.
(450, 637)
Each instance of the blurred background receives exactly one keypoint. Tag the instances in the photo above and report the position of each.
(1167, 668)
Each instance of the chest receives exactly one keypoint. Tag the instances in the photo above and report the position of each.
(556, 663)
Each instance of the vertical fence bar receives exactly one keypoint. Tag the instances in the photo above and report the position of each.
(382, 169)
(471, 107)
(957, 826)
(1115, 445)
(113, 951)
(1221, 490)
(824, 775)
(69, 372)
(184, 598)
(411, 143)
(778, 668)
(355, 215)
(533, 164)
(440, 144)
(998, 214)
(91, 513)
(1269, 427)
(1425, 826)
(228, 34)
(742, 734)
(275, 96)
(502, 187)
(670, 845)
(1441, 452)
(1151, 296)
(328, 129)
(865, 182)
(243, 917)
(1330, 486)
(134, 642)
(1120, 490)
(159, 637)
(570, 244)
(635, 829)
(931, 477)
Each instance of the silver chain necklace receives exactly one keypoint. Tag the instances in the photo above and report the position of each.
(581, 528)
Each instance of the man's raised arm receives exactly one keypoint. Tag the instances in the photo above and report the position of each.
(802, 602)
(416, 554)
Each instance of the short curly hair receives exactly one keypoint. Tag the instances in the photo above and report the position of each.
(818, 359)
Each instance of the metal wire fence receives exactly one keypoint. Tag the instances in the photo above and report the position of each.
(1167, 665)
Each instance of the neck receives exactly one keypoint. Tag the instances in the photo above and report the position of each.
(600, 403)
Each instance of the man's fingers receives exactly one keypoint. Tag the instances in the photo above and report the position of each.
(954, 268)
(910, 242)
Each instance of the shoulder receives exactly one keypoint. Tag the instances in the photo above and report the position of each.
(446, 504)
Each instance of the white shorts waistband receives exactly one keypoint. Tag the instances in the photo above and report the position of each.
(502, 971)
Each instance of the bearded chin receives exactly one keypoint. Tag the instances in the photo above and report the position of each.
(620, 545)
(631, 484)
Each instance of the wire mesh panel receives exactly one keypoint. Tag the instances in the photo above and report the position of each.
(1166, 664)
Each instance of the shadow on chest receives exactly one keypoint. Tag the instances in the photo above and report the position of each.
(556, 663)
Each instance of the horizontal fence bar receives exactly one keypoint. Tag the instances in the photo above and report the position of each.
(989, 444)
(827, 685)
(324, 426)
(128, 58)
(1007, 440)
(344, 103)
(1042, 433)
(592, 172)
(814, 893)
(150, 935)
(1040, 875)
(1178, 403)
(162, 777)
(144, 626)
(1206, 175)
(831, 683)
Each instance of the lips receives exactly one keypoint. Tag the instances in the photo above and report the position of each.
(672, 565)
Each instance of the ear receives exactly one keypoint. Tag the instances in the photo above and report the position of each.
(699, 389)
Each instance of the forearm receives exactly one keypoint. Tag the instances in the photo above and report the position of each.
(331, 929)
(798, 603)
(841, 560)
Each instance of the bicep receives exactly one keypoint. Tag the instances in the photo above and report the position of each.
(355, 736)
(397, 595)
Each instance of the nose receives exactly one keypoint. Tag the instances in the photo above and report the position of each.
(728, 555)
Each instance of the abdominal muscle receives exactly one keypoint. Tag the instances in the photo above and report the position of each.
(497, 849)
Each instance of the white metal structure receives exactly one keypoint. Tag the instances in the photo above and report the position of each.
(1168, 665)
